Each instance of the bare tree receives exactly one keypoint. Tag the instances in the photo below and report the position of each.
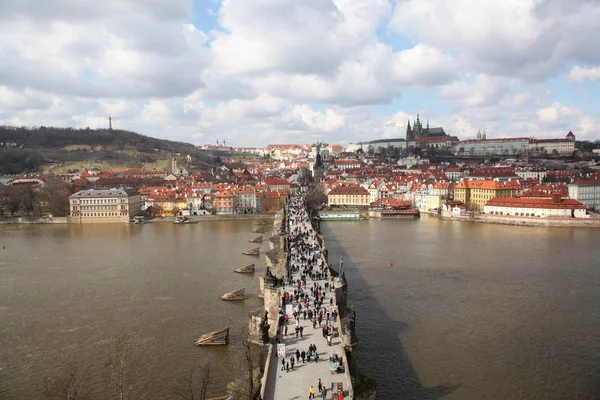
(4, 199)
(197, 382)
(122, 372)
(55, 195)
(246, 387)
(68, 386)
(14, 200)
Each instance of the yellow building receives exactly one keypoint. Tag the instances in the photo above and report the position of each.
(475, 193)
(349, 195)
(114, 205)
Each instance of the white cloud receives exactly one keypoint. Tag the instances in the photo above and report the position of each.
(484, 90)
(530, 39)
(422, 65)
(580, 74)
(557, 111)
(122, 49)
(278, 70)
(329, 121)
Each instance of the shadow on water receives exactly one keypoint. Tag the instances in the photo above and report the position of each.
(381, 354)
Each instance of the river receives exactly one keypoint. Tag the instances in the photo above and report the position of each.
(67, 291)
(466, 311)
(473, 311)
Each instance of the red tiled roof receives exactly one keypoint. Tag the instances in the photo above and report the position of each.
(592, 180)
(350, 190)
(487, 184)
(534, 203)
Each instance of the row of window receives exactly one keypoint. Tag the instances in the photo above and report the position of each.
(102, 214)
(96, 208)
(102, 201)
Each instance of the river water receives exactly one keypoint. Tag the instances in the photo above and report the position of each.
(466, 311)
(473, 311)
(66, 292)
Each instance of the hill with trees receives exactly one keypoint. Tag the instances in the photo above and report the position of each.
(26, 150)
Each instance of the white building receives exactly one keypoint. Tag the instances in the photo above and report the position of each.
(245, 199)
(498, 147)
(536, 173)
(555, 207)
(553, 146)
(114, 205)
(587, 191)
(195, 203)
(376, 145)
(453, 173)
(425, 201)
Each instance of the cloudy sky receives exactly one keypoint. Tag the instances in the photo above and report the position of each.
(255, 72)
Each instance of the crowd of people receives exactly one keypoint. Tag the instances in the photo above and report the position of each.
(307, 297)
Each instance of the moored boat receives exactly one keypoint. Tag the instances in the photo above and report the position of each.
(435, 212)
(340, 216)
(406, 213)
(183, 220)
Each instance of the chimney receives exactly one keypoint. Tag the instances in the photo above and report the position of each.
(556, 198)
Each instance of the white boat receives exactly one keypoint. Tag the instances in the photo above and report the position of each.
(340, 216)
(182, 219)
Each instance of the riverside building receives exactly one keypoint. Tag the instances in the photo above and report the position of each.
(113, 205)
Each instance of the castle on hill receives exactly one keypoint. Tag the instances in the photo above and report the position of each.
(418, 132)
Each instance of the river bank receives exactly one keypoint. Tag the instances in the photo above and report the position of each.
(26, 220)
(225, 217)
(526, 221)
(66, 220)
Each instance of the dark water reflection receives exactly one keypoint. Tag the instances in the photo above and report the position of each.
(472, 311)
(67, 291)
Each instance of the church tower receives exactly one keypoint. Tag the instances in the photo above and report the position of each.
(478, 134)
(409, 132)
(418, 128)
(174, 169)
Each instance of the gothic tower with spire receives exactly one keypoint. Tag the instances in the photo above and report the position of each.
(417, 128)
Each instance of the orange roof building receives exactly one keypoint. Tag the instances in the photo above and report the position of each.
(475, 193)
(348, 195)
